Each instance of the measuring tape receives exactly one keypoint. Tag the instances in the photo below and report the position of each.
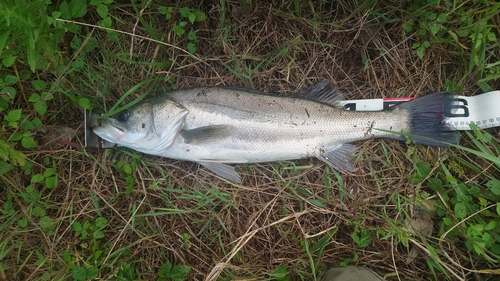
(482, 110)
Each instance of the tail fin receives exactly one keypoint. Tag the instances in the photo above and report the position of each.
(427, 116)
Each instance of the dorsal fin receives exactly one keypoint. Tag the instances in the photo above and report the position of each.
(323, 92)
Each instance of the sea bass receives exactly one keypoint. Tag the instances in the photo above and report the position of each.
(214, 126)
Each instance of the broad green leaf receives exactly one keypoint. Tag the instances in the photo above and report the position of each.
(421, 52)
(22, 223)
(165, 269)
(178, 30)
(442, 17)
(163, 10)
(78, 8)
(101, 222)
(460, 210)
(185, 11)
(11, 79)
(434, 28)
(79, 273)
(56, 14)
(27, 125)
(408, 26)
(51, 182)
(102, 10)
(9, 61)
(9, 90)
(492, 37)
(78, 65)
(64, 10)
(93, 272)
(192, 18)
(77, 226)
(192, 35)
(106, 22)
(38, 211)
(49, 172)
(76, 42)
(490, 226)
(431, 15)
(39, 84)
(494, 186)
(179, 272)
(41, 108)
(37, 178)
(191, 48)
(46, 223)
(200, 15)
(98, 234)
(28, 142)
(14, 115)
(84, 102)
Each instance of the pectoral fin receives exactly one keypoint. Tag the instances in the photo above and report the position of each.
(206, 134)
(222, 170)
(340, 158)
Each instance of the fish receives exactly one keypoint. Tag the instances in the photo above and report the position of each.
(215, 126)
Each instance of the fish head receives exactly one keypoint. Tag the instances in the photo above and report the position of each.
(150, 126)
(131, 127)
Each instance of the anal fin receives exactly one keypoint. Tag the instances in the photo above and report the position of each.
(340, 158)
(222, 170)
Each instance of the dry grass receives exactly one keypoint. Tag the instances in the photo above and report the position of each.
(270, 219)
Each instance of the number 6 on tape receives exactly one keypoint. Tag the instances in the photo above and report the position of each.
(482, 110)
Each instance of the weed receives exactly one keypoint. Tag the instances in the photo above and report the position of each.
(187, 17)
(435, 22)
(173, 272)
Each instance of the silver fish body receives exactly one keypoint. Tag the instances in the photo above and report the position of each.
(217, 125)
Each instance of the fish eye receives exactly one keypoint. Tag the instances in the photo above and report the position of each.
(122, 116)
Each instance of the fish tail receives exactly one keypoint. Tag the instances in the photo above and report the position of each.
(427, 115)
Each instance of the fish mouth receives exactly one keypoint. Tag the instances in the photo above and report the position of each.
(109, 132)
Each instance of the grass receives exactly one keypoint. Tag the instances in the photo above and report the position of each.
(69, 213)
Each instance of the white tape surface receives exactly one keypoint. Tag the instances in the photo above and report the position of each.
(482, 110)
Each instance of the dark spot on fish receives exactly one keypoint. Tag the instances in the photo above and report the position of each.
(370, 127)
(202, 93)
(307, 112)
(187, 150)
(390, 128)
(143, 125)
(355, 126)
